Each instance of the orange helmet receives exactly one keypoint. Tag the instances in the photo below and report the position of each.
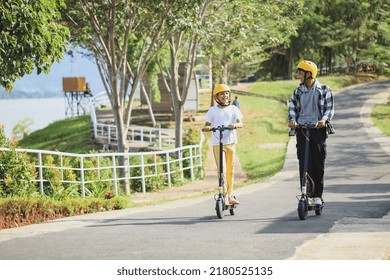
(308, 66)
(220, 88)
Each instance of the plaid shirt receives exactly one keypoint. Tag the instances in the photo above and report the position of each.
(325, 102)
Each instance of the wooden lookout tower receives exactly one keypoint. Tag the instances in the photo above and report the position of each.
(75, 89)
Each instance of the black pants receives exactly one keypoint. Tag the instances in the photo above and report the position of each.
(317, 155)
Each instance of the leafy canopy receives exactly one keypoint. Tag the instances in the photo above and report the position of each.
(31, 37)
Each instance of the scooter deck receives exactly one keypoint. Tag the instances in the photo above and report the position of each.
(316, 207)
(230, 206)
(312, 207)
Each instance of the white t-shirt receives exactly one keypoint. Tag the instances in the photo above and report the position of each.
(223, 117)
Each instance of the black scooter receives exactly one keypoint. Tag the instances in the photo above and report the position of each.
(308, 185)
(220, 205)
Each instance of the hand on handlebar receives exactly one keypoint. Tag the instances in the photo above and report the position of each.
(206, 128)
(321, 124)
(292, 124)
(307, 126)
(232, 126)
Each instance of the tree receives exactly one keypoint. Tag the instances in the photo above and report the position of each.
(22, 128)
(31, 38)
(124, 37)
(376, 47)
(234, 33)
(336, 32)
(226, 30)
(349, 28)
(240, 33)
(183, 46)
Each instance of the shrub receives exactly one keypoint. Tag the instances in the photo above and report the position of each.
(17, 174)
(177, 175)
(19, 211)
(53, 176)
(154, 168)
(192, 137)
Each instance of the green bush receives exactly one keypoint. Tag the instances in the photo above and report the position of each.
(17, 173)
(192, 137)
(18, 211)
(153, 167)
(54, 186)
(93, 173)
(177, 175)
(53, 175)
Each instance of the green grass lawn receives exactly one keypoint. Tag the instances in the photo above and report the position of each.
(264, 123)
(71, 135)
(381, 117)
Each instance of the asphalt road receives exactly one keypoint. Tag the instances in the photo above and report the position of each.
(266, 225)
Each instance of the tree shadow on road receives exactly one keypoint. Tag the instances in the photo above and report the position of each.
(358, 204)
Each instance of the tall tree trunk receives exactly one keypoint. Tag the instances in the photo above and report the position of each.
(149, 104)
(179, 115)
(289, 66)
(175, 93)
(225, 77)
(122, 147)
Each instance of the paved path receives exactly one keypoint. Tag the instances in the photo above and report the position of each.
(354, 225)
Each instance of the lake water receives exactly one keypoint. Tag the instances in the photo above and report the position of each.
(42, 112)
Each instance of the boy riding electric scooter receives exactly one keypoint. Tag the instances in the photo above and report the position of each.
(311, 107)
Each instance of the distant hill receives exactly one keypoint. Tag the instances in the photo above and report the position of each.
(31, 94)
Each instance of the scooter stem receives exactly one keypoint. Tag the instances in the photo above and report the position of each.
(220, 157)
(306, 162)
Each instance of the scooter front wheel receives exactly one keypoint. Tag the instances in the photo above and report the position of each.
(302, 209)
(219, 208)
(232, 211)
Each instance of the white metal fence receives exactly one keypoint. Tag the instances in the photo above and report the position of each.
(103, 169)
(143, 136)
(152, 137)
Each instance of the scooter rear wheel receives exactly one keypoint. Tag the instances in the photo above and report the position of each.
(219, 208)
(302, 209)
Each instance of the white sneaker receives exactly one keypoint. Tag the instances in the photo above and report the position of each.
(317, 201)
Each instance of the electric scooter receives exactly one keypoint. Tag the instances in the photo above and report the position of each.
(308, 185)
(221, 205)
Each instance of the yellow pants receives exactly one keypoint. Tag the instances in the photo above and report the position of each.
(229, 153)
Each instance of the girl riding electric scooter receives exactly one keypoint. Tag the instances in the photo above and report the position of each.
(226, 119)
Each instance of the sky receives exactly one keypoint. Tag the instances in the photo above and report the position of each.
(68, 67)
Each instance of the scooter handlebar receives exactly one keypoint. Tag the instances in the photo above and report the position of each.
(221, 128)
(306, 125)
(291, 131)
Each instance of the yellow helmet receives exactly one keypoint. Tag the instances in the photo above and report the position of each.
(308, 66)
(220, 88)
